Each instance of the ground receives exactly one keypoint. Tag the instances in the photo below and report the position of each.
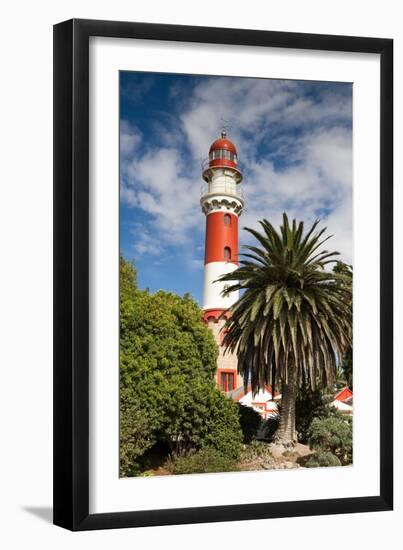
(276, 457)
(257, 456)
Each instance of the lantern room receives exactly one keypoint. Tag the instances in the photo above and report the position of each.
(222, 154)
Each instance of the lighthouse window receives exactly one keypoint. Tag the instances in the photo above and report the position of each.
(227, 253)
(222, 154)
(227, 219)
(227, 381)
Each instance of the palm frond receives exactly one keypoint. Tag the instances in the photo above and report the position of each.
(292, 312)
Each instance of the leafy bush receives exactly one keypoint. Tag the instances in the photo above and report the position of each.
(250, 421)
(135, 437)
(321, 459)
(220, 429)
(268, 428)
(333, 434)
(206, 460)
(256, 450)
(168, 360)
(309, 404)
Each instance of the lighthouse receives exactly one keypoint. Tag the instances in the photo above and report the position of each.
(222, 203)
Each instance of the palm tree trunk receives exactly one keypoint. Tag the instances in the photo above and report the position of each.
(286, 433)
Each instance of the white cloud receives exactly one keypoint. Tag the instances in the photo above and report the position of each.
(318, 185)
(130, 138)
(145, 243)
(171, 197)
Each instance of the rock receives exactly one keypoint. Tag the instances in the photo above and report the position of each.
(276, 450)
(302, 450)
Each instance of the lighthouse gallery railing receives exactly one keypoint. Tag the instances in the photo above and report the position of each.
(222, 187)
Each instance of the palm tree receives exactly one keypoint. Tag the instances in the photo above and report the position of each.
(293, 321)
(347, 366)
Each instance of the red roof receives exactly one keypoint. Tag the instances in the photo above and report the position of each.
(343, 394)
(223, 143)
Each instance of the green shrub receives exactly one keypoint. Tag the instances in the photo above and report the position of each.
(135, 437)
(209, 419)
(168, 362)
(269, 428)
(256, 450)
(250, 421)
(221, 429)
(321, 459)
(309, 404)
(200, 462)
(333, 434)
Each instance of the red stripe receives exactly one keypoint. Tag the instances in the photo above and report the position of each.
(220, 236)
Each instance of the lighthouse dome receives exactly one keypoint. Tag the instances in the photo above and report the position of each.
(223, 152)
(223, 143)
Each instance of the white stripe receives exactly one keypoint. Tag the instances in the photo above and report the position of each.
(212, 290)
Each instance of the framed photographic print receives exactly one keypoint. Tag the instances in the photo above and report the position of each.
(223, 274)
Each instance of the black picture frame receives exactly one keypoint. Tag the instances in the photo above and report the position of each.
(71, 274)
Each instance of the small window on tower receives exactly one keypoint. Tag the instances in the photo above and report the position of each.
(227, 219)
(227, 253)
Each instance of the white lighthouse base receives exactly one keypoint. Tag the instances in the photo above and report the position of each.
(212, 298)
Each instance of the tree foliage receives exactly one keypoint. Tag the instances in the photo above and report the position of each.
(204, 461)
(293, 320)
(310, 404)
(293, 314)
(321, 459)
(333, 434)
(347, 363)
(167, 366)
(135, 436)
(220, 429)
(250, 421)
(127, 279)
(347, 367)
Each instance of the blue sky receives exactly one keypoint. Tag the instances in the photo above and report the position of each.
(294, 141)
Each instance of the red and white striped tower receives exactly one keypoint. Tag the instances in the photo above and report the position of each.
(222, 202)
